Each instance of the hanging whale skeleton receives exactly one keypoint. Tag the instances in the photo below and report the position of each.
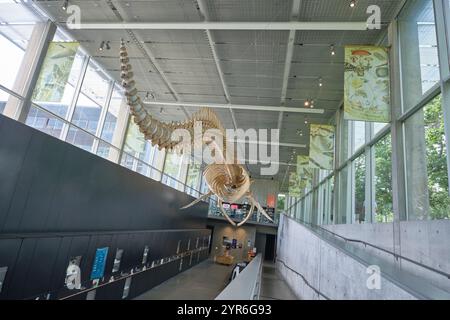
(229, 180)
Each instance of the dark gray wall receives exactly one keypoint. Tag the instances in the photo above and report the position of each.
(49, 185)
(58, 201)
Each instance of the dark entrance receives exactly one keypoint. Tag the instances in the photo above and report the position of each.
(269, 253)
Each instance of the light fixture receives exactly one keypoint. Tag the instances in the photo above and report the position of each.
(320, 82)
(307, 103)
(332, 50)
(65, 5)
(102, 46)
(306, 120)
(108, 47)
(352, 4)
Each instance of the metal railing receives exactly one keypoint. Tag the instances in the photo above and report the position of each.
(397, 256)
(304, 279)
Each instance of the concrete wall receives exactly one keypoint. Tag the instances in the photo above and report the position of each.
(326, 268)
(242, 234)
(427, 242)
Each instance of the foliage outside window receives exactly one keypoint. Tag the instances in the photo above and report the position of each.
(383, 181)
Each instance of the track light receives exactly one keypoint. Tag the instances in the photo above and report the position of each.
(307, 103)
(108, 47)
(320, 82)
(65, 5)
(332, 50)
(352, 4)
(102, 46)
(306, 120)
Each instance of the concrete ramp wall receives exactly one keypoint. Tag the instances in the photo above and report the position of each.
(319, 267)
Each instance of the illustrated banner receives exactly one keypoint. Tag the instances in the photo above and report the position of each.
(55, 71)
(294, 185)
(366, 84)
(321, 147)
(304, 171)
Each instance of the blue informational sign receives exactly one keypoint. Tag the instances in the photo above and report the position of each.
(98, 269)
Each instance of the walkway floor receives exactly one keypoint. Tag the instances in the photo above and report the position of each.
(273, 287)
(202, 282)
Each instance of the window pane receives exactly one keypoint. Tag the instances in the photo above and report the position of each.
(17, 23)
(360, 189)
(117, 101)
(7, 99)
(383, 181)
(193, 179)
(91, 100)
(44, 121)
(359, 134)
(377, 127)
(426, 160)
(420, 63)
(343, 201)
(107, 151)
(80, 138)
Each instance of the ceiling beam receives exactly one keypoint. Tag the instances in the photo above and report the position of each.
(288, 61)
(234, 106)
(209, 25)
(269, 143)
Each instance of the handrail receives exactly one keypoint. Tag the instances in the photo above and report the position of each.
(304, 279)
(88, 286)
(396, 255)
(245, 285)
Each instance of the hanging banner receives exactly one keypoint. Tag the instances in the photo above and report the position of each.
(366, 84)
(55, 71)
(321, 147)
(304, 172)
(294, 185)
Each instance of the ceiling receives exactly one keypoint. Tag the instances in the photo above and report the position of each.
(180, 65)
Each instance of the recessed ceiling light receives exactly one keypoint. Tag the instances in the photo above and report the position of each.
(332, 50)
(65, 5)
(102, 46)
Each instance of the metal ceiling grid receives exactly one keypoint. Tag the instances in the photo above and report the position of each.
(338, 38)
(91, 10)
(158, 10)
(339, 10)
(249, 10)
(251, 66)
(313, 70)
(263, 120)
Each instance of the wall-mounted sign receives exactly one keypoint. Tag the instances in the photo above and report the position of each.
(98, 268)
(117, 259)
(3, 271)
(126, 288)
(91, 295)
(145, 255)
(73, 274)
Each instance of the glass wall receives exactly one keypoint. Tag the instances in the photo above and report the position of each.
(364, 190)
(426, 163)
